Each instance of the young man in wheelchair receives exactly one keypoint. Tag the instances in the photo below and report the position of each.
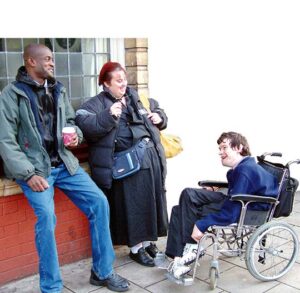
(199, 209)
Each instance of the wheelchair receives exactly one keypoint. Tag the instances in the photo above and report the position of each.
(269, 248)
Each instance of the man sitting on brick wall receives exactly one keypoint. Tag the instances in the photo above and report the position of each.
(33, 111)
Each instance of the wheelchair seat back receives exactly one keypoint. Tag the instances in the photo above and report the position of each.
(287, 186)
(255, 218)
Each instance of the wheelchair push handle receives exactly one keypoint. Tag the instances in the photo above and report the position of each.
(275, 154)
(293, 162)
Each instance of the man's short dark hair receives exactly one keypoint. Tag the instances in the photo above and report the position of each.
(235, 140)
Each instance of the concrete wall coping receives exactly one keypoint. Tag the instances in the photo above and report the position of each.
(10, 187)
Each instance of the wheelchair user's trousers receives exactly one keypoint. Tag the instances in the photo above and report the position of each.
(194, 204)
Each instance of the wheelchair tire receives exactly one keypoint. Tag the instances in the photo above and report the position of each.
(271, 251)
(213, 274)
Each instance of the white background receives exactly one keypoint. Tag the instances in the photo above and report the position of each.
(214, 66)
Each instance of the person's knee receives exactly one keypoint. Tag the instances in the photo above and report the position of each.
(174, 214)
(185, 195)
(99, 205)
(174, 210)
(46, 219)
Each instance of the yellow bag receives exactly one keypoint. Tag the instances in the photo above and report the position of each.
(171, 143)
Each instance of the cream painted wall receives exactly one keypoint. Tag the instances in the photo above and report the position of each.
(234, 69)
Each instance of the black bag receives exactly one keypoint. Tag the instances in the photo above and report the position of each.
(128, 162)
(288, 190)
(286, 197)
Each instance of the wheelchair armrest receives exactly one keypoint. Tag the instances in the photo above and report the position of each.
(210, 183)
(254, 198)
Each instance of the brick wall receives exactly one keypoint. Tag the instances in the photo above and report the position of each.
(136, 61)
(18, 257)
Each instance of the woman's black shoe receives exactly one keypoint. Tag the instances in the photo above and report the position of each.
(152, 250)
(142, 257)
(114, 282)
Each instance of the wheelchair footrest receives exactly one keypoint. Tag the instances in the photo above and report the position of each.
(185, 280)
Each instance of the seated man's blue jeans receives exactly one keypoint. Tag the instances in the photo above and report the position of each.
(85, 194)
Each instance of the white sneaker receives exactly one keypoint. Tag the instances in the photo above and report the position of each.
(189, 254)
(177, 269)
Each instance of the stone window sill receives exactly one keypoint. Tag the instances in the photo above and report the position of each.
(10, 187)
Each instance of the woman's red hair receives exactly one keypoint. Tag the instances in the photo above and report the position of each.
(107, 69)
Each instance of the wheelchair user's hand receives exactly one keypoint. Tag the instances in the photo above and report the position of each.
(211, 188)
(197, 234)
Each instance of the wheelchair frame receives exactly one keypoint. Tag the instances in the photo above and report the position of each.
(269, 248)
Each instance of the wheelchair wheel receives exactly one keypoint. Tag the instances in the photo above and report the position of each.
(271, 251)
(213, 278)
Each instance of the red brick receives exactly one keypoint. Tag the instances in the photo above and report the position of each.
(8, 241)
(64, 206)
(8, 198)
(26, 237)
(18, 273)
(28, 247)
(12, 252)
(67, 236)
(10, 230)
(18, 256)
(23, 203)
(62, 217)
(63, 248)
(22, 260)
(30, 214)
(59, 195)
(19, 216)
(74, 256)
(65, 226)
(10, 207)
(74, 214)
(27, 226)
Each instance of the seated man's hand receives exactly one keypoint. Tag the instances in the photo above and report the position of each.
(211, 188)
(197, 234)
(74, 142)
(38, 183)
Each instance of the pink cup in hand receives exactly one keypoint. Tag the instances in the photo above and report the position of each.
(68, 134)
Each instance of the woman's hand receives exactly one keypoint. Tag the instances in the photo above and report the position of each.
(155, 118)
(116, 109)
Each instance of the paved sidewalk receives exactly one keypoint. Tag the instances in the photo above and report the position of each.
(234, 276)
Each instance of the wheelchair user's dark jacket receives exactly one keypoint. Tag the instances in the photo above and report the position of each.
(246, 178)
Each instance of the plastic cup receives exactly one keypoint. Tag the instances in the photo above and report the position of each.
(68, 134)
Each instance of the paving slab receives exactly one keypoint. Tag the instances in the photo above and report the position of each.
(239, 280)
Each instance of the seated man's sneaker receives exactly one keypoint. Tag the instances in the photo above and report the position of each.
(142, 257)
(152, 249)
(177, 269)
(114, 282)
(189, 254)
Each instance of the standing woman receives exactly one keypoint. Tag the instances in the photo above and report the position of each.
(114, 121)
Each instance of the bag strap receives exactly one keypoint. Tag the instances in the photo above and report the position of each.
(145, 101)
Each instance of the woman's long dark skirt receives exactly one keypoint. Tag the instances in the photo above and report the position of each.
(138, 205)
